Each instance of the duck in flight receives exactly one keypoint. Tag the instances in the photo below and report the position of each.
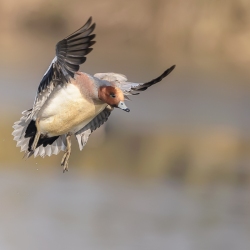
(69, 102)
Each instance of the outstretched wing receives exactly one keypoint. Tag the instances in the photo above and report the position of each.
(131, 88)
(82, 135)
(70, 53)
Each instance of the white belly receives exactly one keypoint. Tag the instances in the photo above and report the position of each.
(67, 111)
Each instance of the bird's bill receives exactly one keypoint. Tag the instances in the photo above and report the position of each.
(122, 105)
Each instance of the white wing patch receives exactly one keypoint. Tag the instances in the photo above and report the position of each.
(41, 98)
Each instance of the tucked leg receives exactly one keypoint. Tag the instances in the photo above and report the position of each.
(65, 159)
(32, 148)
(36, 139)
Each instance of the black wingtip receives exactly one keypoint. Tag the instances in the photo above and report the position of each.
(172, 67)
(92, 27)
(87, 24)
(156, 80)
(169, 70)
(84, 28)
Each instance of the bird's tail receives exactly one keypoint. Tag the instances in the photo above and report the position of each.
(23, 140)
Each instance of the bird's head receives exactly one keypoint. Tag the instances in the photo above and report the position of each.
(112, 96)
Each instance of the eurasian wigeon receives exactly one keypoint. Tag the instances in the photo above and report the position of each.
(71, 102)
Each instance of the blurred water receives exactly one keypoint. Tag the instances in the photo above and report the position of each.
(73, 211)
(208, 91)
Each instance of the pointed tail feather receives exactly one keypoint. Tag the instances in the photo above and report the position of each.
(19, 136)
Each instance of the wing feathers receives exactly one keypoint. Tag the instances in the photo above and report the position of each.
(83, 134)
(70, 54)
(131, 88)
(83, 39)
(80, 30)
(75, 45)
(76, 60)
(144, 86)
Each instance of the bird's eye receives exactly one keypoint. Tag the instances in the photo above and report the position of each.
(112, 95)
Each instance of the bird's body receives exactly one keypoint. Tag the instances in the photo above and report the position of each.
(69, 109)
(71, 102)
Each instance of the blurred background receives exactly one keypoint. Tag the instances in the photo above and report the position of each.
(172, 173)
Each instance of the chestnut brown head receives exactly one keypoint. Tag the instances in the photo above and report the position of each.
(112, 96)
